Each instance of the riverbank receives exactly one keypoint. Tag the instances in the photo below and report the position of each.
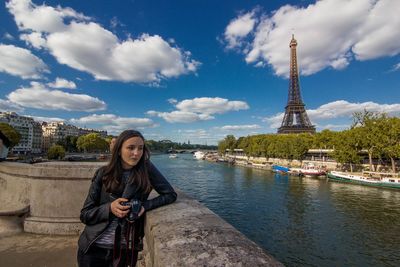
(315, 169)
(267, 163)
(300, 221)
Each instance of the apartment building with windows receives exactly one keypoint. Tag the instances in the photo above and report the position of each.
(31, 135)
(56, 131)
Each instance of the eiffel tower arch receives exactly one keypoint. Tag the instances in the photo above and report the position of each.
(296, 119)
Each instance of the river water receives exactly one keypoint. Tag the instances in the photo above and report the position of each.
(300, 221)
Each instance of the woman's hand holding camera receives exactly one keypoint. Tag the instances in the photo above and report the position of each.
(118, 209)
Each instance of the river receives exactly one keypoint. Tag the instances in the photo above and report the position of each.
(300, 221)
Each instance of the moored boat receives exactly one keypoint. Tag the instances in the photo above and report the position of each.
(389, 180)
(310, 170)
(280, 169)
(198, 155)
(172, 156)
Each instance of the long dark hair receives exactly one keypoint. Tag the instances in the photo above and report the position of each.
(113, 171)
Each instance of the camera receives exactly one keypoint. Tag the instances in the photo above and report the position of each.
(135, 206)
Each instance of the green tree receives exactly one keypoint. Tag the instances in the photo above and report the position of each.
(369, 124)
(230, 141)
(256, 147)
(12, 135)
(69, 143)
(391, 139)
(56, 152)
(347, 147)
(301, 143)
(92, 142)
(324, 139)
(221, 147)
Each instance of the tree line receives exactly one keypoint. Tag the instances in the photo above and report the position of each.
(163, 146)
(93, 142)
(376, 134)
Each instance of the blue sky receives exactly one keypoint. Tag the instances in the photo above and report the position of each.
(197, 70)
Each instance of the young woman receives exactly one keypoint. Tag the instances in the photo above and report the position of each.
(109, 239)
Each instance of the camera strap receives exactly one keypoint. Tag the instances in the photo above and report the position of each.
(117, 247)
(131, 254)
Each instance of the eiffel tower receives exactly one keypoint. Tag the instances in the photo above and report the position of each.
(295, 119)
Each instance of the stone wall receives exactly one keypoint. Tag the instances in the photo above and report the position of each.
(53, 193)
(187, 233)
(184, 233)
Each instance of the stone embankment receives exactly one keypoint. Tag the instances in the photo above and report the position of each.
(46, 198)
(266, 163)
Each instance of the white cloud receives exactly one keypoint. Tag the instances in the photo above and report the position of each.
(35, 39)
(40, 97)
(62, 83)
(172, 101)
(8, 36)
(396, 67)
(239, 28)
(342, 108)
(20, 62)
(199, 109)
(180, 116)
(113, 123)
(45, 119)
(197, 134)
(6, 105)
(239, 127)
(209, 105)
(274, 121)
(102, 54)
(114, 23)
(359, 29)
(338, 109)
(29, 16)
(379, 31)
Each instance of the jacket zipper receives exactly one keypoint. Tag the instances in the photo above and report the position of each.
(91, 242)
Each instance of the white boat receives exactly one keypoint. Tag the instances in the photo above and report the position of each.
(310, 170)
(172, 156)
(391, 180)
(199, 155)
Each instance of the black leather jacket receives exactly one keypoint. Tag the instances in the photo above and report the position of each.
(96, 213)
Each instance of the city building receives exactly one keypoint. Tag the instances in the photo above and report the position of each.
(39, 137)
(56, 131)
(31, 136)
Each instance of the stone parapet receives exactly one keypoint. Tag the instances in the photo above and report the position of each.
(184, 233)
(187, 233)
(52, 192)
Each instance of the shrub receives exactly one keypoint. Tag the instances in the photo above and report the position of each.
(56, 152)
